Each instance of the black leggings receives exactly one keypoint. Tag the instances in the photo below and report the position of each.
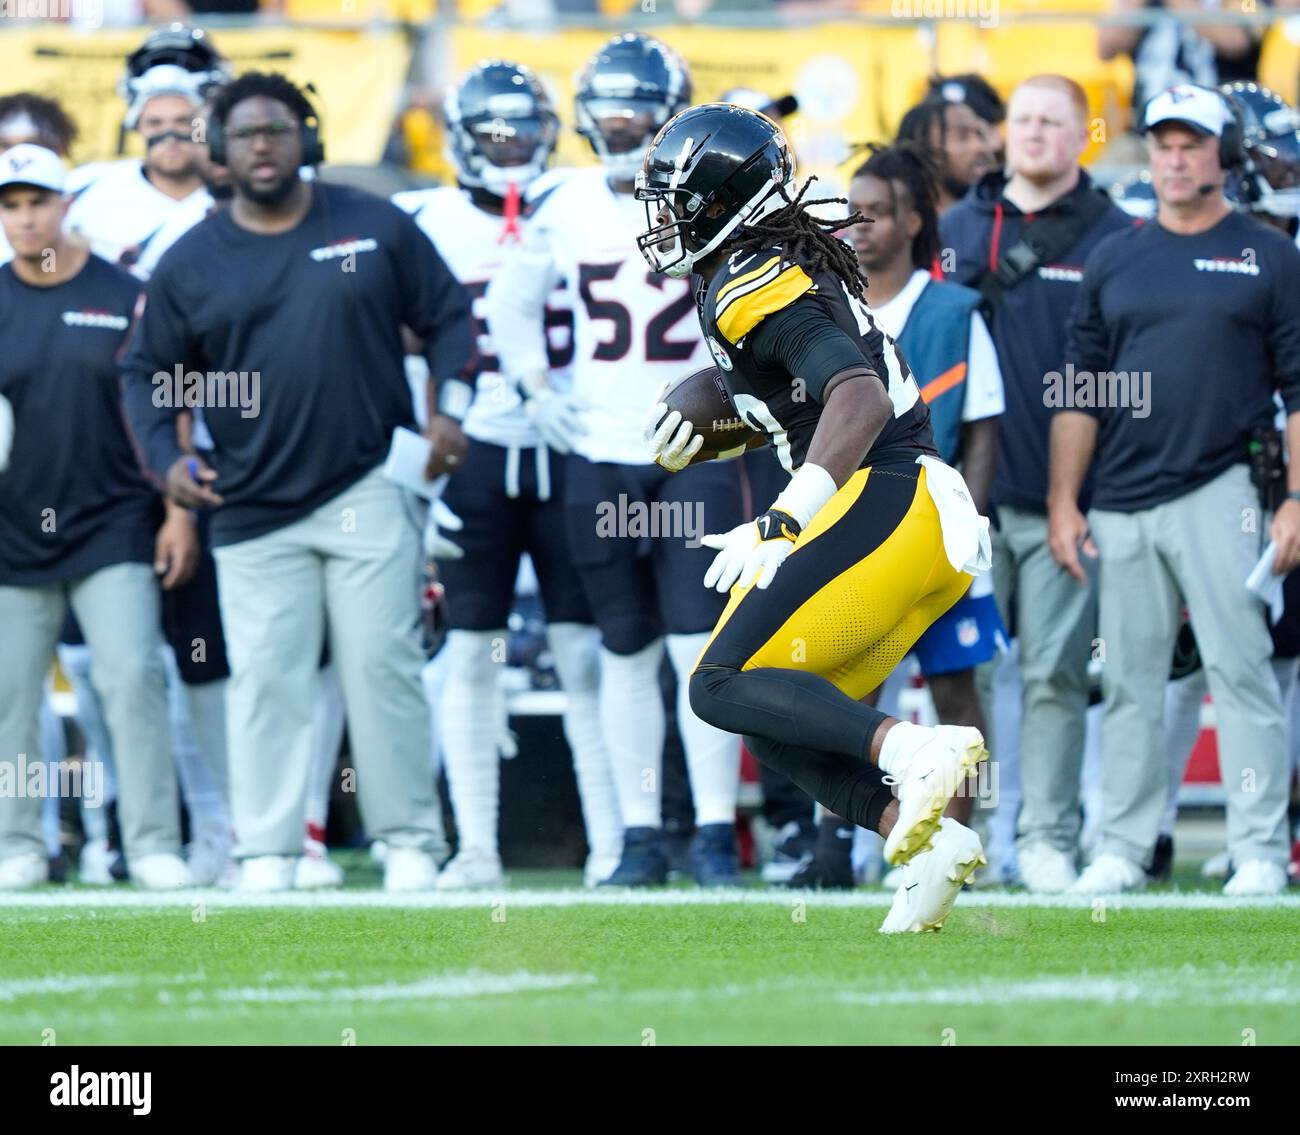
(799, 724)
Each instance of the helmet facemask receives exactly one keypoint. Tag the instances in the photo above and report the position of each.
(620, 130)
(507, 141)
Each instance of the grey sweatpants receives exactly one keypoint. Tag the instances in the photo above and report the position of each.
(118, 608)
(349, 569)
(1054, 621)
(1197, 549)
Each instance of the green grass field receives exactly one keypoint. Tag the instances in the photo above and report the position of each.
(547, 965)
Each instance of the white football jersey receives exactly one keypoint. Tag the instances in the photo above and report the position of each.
(193, 209)
(117, 209)
(633, 329)
(475, 245)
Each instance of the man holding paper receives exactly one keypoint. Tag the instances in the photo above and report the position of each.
(282, 316)
(1183, 330)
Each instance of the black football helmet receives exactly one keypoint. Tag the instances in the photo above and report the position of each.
(501, 127)
(625, 94)
(1271, 138)
(173, 60)
(710, 172)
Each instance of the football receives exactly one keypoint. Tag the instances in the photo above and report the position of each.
(702, 400)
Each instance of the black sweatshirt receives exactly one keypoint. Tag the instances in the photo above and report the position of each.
(1210, 324)
(74, 498)
(305, 327)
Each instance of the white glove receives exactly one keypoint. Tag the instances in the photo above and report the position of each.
(436, 544)
(673, 442)
(557, 416)
(747, 556)
(6, 432)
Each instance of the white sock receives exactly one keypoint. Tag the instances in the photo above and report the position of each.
(326, 737)
(468, 720)
(207, 708)
(898, 746)
(632, 721)
(712, 754)
(577, 661)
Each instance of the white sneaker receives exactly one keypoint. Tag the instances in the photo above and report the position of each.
(598, 868)
(409, 869)
(95, 863)
(1217, 867)
(161, 872)
(1044, 869)
(379, 853)
(942, 759)
(932, 880)
(260, 873)
(472, 870)
(315, 871)
(208, 856)
(1257, 877)
(1107, 875)
(29, 869)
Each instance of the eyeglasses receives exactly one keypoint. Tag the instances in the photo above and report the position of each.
(276, 131)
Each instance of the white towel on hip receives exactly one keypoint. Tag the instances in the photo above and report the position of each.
(965, 532)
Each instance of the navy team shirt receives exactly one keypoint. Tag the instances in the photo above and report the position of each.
(305, 328)
(74, 498)
(1214, 319)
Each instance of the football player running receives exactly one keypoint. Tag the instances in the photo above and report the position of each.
(633, 331)
(509, 492)
(880, 536)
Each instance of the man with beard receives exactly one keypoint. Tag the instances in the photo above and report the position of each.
(118, 207)
(957, 124)
(1022, 240)
(295, 297)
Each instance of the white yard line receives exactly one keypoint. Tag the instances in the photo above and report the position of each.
(124, 898)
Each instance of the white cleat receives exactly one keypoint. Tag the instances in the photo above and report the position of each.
(1046, 870)
(409, 869)
(598, 868)
(94, 866)
(1217, 866)
(932, 880)
(315, 871)
(209, 857)
(262, 873)
(1257, 877)
(29, 869)
(1108, 875)
(471, 871)
(161, 872)
(934, 771)
(893, 878)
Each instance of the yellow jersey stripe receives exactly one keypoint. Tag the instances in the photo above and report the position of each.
(731, 284)
(745, 313)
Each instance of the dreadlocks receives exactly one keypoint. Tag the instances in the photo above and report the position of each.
(910, 164)
(812, 238)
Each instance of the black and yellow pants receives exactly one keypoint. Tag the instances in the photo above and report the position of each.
(786, 667)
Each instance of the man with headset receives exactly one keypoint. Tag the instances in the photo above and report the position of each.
(282, 317)
(1184, 328)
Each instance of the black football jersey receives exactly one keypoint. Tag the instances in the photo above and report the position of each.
(744, 310)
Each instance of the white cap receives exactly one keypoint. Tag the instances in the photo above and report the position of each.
(29, 164)
(1200, 108)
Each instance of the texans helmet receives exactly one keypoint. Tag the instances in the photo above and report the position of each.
(175, 60)
(629, 89)
(710, 172)
(1271, 138)
(501, 127)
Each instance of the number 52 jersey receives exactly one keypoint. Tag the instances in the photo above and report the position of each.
(633, 329)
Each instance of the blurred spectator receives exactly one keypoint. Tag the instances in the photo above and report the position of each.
(1170, 51)
(1021, 240)
(949, 124)
(1192, 322)
(27, 117)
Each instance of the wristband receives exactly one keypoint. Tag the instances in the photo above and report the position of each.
(809, 489)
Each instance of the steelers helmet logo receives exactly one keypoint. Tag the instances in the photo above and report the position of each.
(720, 356)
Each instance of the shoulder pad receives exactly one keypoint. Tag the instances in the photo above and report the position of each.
(751, 287)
